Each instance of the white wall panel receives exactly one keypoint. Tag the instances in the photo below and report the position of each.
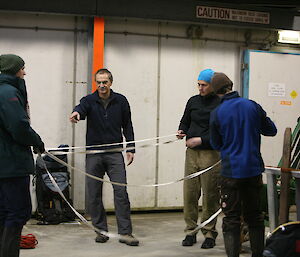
(133, 62)
(178, 84)
(156, 74)
(181, 62)
(49, 62)
(82, 89)
(283, 108)
(45, 54)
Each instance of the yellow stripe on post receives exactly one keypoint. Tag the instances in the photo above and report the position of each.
(98, 48)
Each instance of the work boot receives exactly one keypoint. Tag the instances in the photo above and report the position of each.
(208, 243)
(232, 243)
(11, 237)
(100, 238)
(257, 241)
(189, 240)
(129, 240)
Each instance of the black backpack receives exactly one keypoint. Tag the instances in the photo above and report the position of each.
(284, 241)
(51, 208)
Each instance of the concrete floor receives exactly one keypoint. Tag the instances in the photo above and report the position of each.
(160, 235)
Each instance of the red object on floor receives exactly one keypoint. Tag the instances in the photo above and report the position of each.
(28, 241)
(297, 246)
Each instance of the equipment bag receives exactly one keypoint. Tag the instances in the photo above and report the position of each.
(284, 241)
(51, 208)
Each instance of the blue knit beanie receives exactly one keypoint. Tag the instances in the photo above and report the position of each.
(206, 75)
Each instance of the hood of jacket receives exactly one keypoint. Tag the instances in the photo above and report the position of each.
(6, 79)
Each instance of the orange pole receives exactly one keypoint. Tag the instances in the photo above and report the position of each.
(98, 48)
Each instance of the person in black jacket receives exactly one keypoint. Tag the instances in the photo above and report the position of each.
(108, 119)
(16, 162)
(199, 155)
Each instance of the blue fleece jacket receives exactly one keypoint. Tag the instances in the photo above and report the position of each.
(236, 127)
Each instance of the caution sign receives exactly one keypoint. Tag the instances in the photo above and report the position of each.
(217, 13)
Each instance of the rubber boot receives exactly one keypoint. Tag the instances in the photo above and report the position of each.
(257, 241)
(232, 243)
(11, 238)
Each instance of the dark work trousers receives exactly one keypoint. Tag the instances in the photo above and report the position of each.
(15, 201)
(241, 197)
(113, 165)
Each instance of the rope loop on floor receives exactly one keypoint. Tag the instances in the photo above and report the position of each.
(28, 241)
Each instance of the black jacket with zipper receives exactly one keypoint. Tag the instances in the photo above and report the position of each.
(195, 120)
(106, 125)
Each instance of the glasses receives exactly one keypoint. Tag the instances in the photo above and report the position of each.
(105, 82)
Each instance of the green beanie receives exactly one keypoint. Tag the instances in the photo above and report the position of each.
(11, 64)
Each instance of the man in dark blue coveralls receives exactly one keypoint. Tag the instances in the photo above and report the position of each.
(236, 127)
(16, 161)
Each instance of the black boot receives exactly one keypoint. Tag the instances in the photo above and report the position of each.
(189, 240)
(232, 243)
(11, 238)
(257, 241)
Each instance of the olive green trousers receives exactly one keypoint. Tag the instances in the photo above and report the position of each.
(206, 185)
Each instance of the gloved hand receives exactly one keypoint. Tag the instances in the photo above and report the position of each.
(39, 149)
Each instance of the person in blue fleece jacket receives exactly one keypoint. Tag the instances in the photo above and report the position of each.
(236, 126)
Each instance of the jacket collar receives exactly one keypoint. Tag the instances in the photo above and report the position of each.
(10, 79)
(14, 81)
(208, 97)
(231, 95)
(97, 98)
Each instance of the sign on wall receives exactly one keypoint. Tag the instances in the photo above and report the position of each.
(217, 13)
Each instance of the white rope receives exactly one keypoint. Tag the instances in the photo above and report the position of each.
(120, 184)
(111, 150)
(193, 232)
(132, 185)
(105, 232)
(104, 145)
(73, 209)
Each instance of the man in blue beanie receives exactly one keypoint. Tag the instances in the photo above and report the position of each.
(16, 162)
(194, 125)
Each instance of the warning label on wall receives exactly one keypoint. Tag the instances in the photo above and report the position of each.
(285, 102)
(217, 13)
(276, 89)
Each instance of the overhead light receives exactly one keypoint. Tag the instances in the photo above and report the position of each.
(289, 36)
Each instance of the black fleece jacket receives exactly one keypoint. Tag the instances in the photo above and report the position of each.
(195, 120)
(106, 125)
